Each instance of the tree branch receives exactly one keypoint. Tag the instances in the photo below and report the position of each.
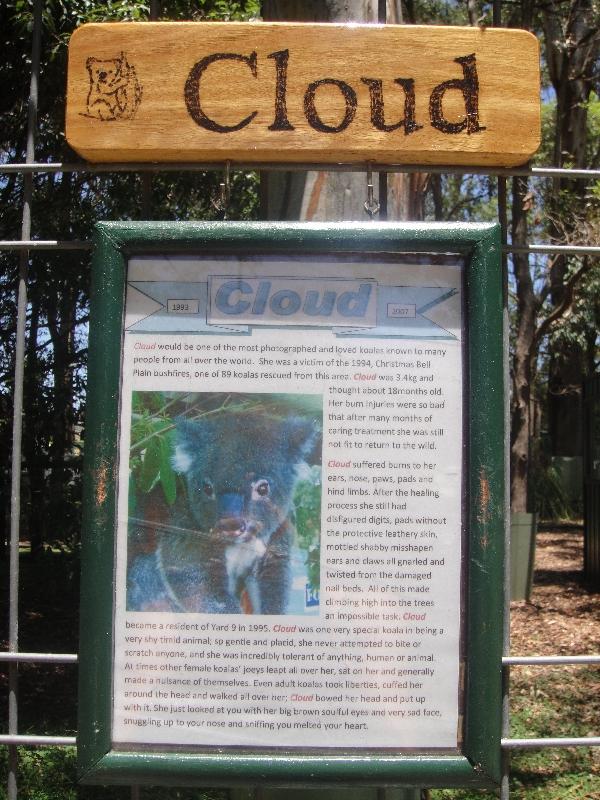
(567, 300)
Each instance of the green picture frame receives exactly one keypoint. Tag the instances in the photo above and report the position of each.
(478, 763)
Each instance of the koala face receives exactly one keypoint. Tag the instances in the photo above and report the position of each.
(241, 470)
(104, 73)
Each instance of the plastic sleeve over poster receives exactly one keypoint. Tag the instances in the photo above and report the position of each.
(289, 537)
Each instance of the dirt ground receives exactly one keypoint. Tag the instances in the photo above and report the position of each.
(563, 616)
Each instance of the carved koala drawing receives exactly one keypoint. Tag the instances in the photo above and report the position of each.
(115, 92)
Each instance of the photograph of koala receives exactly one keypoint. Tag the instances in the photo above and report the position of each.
(224, 503)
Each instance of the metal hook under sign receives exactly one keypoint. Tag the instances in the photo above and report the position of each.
(372, 206)
(221, 203)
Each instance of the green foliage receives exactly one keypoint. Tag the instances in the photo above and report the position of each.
(232, 10)
(307, 505)
(551, 500)
(545, 154)
(46, 773)
(439, 12)
(151, 446)
(50, 773)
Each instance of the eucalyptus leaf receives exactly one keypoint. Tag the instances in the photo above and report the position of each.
(168, 479)
(150, 472)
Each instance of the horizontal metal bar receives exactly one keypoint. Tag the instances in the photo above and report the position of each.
(71, 658)
(52, 244)
(542, 660)
(177, 166)
(45, 244)
(534, 744)
(42, 658)
(37, 741)
(567, 249)
(509, 744)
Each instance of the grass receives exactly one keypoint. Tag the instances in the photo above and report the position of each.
(550, 702)
(49, 773)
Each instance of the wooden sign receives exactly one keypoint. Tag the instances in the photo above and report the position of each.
(264, 92)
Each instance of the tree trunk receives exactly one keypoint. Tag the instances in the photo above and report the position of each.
(33, 447)
(332, 196)
(61, 326)
(524, 358)
(329, 195)
(572, 51)
(566, 375)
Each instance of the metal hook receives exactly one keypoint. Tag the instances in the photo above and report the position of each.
(221, 203)
(372, 206)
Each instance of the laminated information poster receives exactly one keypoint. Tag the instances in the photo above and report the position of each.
(290, 508)
(294, 505)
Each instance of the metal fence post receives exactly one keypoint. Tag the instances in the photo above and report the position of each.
(13, 635)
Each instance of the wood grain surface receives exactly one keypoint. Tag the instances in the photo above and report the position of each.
(321, 93)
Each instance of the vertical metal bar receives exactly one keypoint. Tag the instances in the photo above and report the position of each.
(497, 14)
(146, 177)
(20, 333)
(146, 210)
(384, 793)
(505, 779)
(503, 220)
(383, 178)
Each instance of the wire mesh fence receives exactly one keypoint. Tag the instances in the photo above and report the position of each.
(27, 247)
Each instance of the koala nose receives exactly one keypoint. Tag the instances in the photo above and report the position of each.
(237, 526)
(230, 525)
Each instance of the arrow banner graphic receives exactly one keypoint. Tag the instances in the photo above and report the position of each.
(204, 307)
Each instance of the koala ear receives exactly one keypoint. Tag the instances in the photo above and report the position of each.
(189, 436)
(301, 436)
(181, 460)
(90, 62)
